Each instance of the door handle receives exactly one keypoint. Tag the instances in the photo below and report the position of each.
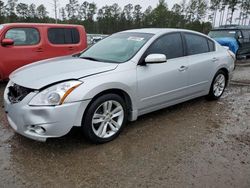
(39, 50)
(215, 59)
(183, 68)
(71, 48)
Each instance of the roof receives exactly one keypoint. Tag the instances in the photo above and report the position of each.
(38, 24)
(158, 30)
(229, 27)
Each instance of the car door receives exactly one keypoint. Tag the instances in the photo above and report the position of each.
(245, 42)
(26, 48)
(201, 57)
(163, 83)
(63, 41)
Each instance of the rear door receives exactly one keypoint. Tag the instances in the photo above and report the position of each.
(201, 56)
(27, 48)
(63, 41)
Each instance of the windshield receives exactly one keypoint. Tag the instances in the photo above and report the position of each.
(1, 27)
(222, 33)
(117, 48)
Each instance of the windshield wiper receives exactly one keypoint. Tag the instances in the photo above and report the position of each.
(99, 60)
(89, 58)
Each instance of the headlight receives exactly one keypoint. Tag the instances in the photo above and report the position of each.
(54, 95)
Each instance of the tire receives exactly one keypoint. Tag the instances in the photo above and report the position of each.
(105, 118)
(218, 85)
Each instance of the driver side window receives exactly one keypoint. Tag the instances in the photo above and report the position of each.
(23, 36)
(169, 45)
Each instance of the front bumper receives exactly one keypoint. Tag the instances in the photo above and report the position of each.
(42, 122)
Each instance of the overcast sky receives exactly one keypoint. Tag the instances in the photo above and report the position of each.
(100, 3)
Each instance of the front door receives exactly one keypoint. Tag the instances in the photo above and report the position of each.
(163, 83)
(27, 48)
(245, 43)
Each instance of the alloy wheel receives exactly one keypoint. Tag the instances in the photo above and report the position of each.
(219, 85)
(107, 119)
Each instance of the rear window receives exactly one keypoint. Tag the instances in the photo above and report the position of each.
(23, 36)
(1, 27)
(63, 36)
(196, 44)
(211, 46)
(222, 33)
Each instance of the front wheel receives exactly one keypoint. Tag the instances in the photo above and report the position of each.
(218, 85)
(105, 118)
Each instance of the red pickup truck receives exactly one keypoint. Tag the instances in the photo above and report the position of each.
(24, 43)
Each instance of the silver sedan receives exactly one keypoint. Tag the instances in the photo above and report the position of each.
(126, 75)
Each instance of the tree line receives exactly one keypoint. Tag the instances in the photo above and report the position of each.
(199, 15)
(224, 11)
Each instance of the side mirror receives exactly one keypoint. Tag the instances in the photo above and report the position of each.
(156, 58)
(239, 37)
(7, 42)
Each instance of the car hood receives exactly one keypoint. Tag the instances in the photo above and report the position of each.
(46, 72)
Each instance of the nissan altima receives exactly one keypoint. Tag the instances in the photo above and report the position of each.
(124, 76)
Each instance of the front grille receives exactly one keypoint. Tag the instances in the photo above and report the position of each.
(18, 93)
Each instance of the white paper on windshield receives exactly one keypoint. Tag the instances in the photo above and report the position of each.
(232, 32)
(137, 39)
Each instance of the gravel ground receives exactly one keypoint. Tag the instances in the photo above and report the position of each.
(242, 74)
(195, 144)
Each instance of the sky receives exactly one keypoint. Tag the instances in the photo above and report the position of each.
(100, 3)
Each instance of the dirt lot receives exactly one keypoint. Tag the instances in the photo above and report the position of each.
(195, 144)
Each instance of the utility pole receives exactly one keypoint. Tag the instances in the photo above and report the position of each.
(55, 5)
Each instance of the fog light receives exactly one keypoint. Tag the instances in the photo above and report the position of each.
(37, 129)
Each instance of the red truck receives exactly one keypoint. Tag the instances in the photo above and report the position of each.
(24, 43)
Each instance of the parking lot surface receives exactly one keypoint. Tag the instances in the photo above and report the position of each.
(199, 143)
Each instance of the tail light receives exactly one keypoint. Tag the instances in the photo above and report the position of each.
(232, 55)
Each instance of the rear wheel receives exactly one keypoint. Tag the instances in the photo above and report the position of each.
(105, 118)
(218, 85)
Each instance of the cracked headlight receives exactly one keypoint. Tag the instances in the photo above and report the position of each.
(55, 94)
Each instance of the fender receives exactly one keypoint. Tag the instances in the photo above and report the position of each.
(91, 93)
(94, 85)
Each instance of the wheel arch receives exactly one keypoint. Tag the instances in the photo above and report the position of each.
(225, 70)
(123, 94)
